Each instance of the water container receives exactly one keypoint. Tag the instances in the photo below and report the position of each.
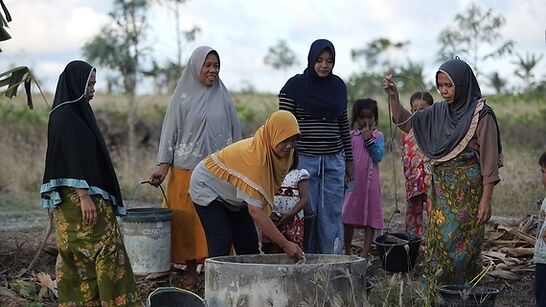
(398, 257)
(467, 296)
(174, 297)
(147, 238)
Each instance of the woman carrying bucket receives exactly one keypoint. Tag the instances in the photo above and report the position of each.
(200, 120)
(92, 267)
(460, 138)
(233, 189)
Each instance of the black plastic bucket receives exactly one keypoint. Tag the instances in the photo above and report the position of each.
(398, 257)
(467, 296)
(174, 297)
(369, 287)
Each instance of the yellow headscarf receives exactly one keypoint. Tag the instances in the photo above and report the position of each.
(251, 165)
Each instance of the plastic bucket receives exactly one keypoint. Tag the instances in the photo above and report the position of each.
(467, 296)
(174, 297)
(398, 257)
(147, 238)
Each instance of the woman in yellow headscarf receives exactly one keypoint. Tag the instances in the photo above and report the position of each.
(233, 188)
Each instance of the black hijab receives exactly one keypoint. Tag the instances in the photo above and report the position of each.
(321, 97)
(441, 127)
(75, 146)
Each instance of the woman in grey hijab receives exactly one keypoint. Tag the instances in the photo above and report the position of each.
(460, 137)
(200, 120)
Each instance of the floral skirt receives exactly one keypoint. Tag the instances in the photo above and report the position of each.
(454, 240)
(92, 266)
(292, 230)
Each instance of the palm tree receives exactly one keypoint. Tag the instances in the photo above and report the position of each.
(497, 82)
(525, 68)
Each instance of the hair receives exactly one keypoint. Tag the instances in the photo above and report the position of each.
(542, 160)
(426, 96)
(295, 159)
(364, 104)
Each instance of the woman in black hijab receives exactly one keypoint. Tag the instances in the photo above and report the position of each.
(461, 139)
(318, 99)
(81, 185)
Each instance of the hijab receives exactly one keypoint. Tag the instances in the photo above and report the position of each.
(321, 97)
(251, 165)
(200, 120)
(441, 127)
(75, 146)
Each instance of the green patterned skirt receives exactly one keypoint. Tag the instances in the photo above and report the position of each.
(454, 240)
(92, 266)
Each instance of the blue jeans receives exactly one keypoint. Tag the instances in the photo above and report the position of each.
(324, 232)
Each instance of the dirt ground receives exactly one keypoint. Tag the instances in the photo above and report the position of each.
(19, 242)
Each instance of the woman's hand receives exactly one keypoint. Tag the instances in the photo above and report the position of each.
(389, 85)
(484, 208)
(159, 174)
(89, 211)
(293, 251)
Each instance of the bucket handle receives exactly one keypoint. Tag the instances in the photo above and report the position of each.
(148, 182)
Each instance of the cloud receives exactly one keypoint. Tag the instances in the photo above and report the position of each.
(52, 26)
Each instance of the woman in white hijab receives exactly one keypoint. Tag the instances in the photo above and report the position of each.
(200, 120)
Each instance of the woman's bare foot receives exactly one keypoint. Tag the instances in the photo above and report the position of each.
(190, 276)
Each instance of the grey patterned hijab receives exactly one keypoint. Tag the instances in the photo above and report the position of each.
(200, 120)
(439, 128)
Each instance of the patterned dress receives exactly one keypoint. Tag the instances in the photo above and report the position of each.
(418, 178)
(92, 266)
(285, 200)
(454, 241)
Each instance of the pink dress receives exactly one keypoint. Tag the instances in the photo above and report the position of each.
(363, 206)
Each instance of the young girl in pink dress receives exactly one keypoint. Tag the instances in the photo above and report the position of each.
(362, 205)
(288, 209)
(417, 172)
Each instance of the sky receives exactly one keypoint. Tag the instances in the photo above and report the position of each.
(47, 34)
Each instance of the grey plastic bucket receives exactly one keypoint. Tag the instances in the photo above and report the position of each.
(147, 238)
(275, 280)
(467, 296)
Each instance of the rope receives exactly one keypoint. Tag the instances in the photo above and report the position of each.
(391, 145)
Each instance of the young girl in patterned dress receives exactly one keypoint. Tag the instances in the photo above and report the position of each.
(288, 211)
(416, 171)
(362, 206)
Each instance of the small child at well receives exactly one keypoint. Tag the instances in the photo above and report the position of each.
(362, 205)
(287, 213)
(416, 171)
(540, 245)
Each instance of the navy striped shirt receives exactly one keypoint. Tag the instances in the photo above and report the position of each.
(319, 136)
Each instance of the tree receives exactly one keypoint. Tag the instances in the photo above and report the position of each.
(119, 47)
(280, 56)
(497, 82)
(375, 54)
(525, 69)
(470, 32)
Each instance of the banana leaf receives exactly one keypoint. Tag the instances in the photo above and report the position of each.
(4, 35)
(11, 79)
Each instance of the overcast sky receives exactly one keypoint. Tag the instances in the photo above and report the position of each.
(47, 34)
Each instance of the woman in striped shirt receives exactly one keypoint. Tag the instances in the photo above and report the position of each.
(318, 99)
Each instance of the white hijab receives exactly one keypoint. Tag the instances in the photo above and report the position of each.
(200, 120)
